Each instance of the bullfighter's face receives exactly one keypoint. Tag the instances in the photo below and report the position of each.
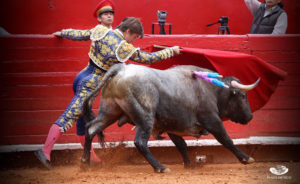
(106, 19)
(130, 37)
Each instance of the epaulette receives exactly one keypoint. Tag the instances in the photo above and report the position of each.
(125, 51)
(99, 32)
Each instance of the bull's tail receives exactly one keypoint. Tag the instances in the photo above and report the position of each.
(105, 80)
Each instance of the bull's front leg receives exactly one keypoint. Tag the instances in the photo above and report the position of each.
(182, 148)
(218, 130)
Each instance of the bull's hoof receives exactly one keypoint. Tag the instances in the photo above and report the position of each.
(85, 161)
(249, 161)
(162, 170)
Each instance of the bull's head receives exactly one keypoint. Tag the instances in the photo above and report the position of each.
(232, 103)
(236, 106)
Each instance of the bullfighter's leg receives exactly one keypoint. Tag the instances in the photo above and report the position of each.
(182, 148)
(218, 130)
(71, 114)
(141, 140)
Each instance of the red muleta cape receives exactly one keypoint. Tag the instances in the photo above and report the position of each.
(247, 68)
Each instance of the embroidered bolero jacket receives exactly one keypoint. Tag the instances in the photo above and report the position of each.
(109, 47)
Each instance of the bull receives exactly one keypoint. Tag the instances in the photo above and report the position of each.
(168, 101)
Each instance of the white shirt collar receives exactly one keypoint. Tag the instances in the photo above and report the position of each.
(270, 8)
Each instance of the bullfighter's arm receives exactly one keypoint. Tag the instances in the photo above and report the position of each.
(127, 51)
(74, 34)
(150, 58)
(95, 34)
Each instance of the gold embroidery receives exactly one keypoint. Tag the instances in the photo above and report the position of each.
(99, 32)
(125, 51)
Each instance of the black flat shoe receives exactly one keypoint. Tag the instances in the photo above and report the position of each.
(40, 155)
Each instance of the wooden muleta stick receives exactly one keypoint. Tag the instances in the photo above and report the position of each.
(162, 47)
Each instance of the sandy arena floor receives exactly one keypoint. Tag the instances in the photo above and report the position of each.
(126, 166)
(143, 173)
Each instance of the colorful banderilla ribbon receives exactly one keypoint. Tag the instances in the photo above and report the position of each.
(211, 77)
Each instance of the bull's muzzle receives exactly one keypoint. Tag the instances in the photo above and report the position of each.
(235, 84)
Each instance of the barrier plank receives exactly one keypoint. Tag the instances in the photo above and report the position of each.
(31, 104)
(35, 40)
(278, 56)
(45, 53)
(274, 42)
(38, 78)
(29, 66)
(38, 91)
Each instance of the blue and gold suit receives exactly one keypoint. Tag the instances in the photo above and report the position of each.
(108, 48)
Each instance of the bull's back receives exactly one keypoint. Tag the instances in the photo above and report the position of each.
(173, 85)
(176, 84)
(173, 82)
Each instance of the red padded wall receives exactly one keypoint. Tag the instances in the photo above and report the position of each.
(37, 73)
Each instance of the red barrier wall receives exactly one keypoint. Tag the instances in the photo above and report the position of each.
(187, 17)
(37, 73)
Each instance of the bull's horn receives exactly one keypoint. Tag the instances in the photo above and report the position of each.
(244, 87)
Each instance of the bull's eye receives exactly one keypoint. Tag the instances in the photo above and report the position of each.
(234, 92)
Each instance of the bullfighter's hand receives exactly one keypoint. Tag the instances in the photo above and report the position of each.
(58, 34)
(176, 50)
